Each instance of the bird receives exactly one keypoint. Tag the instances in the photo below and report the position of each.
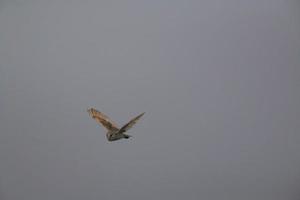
(113, 132)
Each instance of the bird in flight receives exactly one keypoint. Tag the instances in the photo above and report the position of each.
(113, 132)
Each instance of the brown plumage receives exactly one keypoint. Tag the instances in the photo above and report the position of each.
(113, 132)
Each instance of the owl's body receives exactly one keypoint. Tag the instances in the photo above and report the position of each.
(115, 135)
(113, 132)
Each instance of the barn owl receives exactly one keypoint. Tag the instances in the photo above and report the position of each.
(113, 132)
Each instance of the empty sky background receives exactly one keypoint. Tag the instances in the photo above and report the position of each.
(219, 82)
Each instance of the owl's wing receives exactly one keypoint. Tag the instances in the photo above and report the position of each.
(103, 119)
(130, 123)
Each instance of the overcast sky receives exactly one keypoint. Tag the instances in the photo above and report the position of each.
(219, 82)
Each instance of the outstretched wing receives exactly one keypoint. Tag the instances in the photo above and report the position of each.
(130, 123)
(103, 119)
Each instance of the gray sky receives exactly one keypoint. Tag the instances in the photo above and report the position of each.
(219, 82)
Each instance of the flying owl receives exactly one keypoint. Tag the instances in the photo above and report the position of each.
(113, 132)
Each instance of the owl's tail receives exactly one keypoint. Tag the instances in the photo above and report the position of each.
(127, 136)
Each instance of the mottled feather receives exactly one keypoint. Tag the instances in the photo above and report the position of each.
(103, 120)
(130, 123)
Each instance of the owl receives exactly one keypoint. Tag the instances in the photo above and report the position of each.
(113, 132)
